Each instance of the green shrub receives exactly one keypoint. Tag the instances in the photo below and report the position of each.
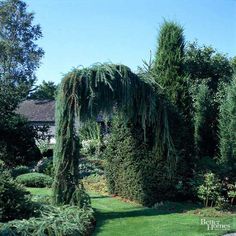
(19, 170)
(15, 201)
(209, 191)
(95, 183)
(45, 166)
(55, 221)
(18, 142)
(35, 180)
(89, 167)
(2, 164)
(132, 170)
(231, 192)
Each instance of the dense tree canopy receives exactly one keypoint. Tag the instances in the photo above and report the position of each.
(206, 63)
(46, 90)
(17, 142)
(209, 71)
(170, 74)
(19, 54)
(227, 129)
(19, 58)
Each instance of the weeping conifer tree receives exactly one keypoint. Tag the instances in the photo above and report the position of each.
(86, 92)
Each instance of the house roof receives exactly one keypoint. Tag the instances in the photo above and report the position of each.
(37, 110)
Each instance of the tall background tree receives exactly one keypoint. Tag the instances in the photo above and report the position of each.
(206, 63)
(202, 105)
(19, 54)
(169, 63)
(170, 74)
(207, 70)
(19, 58)
(227, 130)
(46, 90)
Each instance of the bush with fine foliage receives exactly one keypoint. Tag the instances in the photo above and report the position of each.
(133, 171)
(17, 142)
(55, 221)
(35, 180)
(15, 201)
(95, 183)
(210, 189)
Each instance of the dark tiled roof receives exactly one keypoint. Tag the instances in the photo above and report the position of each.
(37, 110)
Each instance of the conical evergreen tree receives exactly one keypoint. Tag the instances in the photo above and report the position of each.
(169, 68)
(168, 63)
(170, 74)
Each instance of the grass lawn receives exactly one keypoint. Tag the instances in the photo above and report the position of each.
(40, 191)
(117, 218)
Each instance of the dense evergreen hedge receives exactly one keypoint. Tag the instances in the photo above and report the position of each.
(131, 170)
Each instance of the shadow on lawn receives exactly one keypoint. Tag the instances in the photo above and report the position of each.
(96, 197)
(102, 217)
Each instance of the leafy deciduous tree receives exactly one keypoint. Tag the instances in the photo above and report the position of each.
(207, 63)
(19, 54)
(19, 58)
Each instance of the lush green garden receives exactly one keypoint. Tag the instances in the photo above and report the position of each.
(150, 152)
(118, 217)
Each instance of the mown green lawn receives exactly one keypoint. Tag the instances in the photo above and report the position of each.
(40, 191)
(117, 218)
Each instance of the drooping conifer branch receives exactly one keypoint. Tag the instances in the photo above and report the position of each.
(86, 92)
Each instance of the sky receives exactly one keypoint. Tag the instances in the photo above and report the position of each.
(84, 32)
